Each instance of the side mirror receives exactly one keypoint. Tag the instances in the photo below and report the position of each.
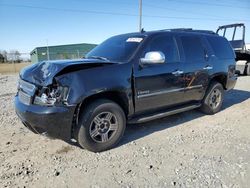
(154, 57)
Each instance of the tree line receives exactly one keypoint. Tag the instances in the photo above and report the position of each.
(11, 56)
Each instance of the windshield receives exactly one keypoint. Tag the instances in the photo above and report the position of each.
(118, 48)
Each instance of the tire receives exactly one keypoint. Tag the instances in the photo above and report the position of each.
(101, 126)
(213, 99)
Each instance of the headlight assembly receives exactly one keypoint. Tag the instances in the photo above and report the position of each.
(50, 96)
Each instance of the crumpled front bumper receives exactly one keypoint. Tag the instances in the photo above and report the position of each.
(54, 121)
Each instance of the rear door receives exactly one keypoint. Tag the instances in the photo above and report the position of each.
(159, 85)
(197, 66)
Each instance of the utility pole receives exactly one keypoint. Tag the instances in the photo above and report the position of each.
(47, 50)
(140, 15)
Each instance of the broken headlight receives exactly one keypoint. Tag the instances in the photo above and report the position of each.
(49, 96)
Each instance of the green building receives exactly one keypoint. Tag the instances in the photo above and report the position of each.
(71, 51)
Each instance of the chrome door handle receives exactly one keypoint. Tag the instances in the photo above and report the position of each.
(178, 72)
(208, 67)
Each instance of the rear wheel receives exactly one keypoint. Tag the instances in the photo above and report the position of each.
(101, 126)
(213, 99)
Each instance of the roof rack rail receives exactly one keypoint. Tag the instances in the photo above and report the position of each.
(182, 29)
(191, 30)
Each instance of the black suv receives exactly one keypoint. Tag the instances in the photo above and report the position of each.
(129, 78)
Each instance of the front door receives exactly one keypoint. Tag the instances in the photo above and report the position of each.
(159, 85)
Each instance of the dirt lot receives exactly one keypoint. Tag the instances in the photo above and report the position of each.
(184, 150)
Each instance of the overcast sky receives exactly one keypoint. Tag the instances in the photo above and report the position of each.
(28, 24)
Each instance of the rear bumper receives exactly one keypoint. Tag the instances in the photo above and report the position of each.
(231, 81)
(54, 121)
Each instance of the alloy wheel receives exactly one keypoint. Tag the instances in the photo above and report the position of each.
(103, 127)
(215, 98)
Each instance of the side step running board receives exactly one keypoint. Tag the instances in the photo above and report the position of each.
(142, 119)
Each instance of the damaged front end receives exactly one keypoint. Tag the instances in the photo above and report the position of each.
(52, 87)
(47, 95)
(44, 109)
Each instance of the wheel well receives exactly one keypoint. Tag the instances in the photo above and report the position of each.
(221, 79)
(114, 96)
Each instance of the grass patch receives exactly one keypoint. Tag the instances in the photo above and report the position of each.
(12, 68)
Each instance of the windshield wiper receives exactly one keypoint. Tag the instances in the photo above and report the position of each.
(98, 57)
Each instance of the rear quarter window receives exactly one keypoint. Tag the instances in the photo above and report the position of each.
(193, 49)
(221, 47)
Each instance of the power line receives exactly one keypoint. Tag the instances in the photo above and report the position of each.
(164, 8)
(121, 14)
(181, 1)
(68, 10)
(176, 10)
(210, 4)
(189, 18)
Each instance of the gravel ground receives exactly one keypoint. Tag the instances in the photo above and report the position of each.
(185, 150)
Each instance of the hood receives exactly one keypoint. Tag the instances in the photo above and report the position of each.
(43, 73)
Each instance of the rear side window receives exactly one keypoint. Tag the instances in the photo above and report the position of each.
(165, 44)
(193, 49)
(221, 47)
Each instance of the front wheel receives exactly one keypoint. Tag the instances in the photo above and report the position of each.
(213, 99)
(101, 126)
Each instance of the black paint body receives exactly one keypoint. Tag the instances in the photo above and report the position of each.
(139, 89)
